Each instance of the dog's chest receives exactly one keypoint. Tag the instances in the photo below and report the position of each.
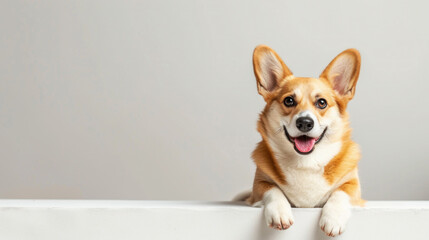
(306, 188)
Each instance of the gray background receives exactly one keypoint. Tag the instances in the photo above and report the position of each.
(157, 99)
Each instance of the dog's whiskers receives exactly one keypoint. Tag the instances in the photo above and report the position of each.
(279, 130)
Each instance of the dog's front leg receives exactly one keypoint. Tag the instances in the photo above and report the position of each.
(335, 213)
(277, 209)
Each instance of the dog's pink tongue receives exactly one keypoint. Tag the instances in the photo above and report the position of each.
(304, 144)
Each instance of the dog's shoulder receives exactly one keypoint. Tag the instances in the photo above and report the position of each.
(267, 164)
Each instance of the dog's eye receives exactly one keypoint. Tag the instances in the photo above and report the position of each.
(321, 103)
(289, 102)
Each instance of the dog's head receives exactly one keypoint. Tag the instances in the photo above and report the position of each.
(305, 116)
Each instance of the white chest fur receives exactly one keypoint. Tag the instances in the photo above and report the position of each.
(306, 187)
(305, 184)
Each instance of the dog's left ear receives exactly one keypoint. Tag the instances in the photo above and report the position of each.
(343, 72)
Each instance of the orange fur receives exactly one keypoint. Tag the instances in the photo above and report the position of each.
(267, 165)
(269, 173)
(257, 54)
(352, 188)
(261, 184)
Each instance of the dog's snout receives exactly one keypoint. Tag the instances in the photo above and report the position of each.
(304, 124)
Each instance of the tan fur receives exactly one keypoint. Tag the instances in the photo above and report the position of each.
(269, 165)
(352, 188)
(257, 54)
(339, 171)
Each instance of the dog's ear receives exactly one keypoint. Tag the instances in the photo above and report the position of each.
(269, 70)
(343, 72)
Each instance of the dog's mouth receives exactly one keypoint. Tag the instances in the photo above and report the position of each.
(304, 144)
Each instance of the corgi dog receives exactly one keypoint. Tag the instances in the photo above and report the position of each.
(306, 157)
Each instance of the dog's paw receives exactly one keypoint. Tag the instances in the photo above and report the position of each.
(332, 226)
(333, 221)
(278, 215)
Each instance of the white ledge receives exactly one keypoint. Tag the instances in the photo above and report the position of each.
(101, 219)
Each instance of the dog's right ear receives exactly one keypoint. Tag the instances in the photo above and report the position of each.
(269, 70)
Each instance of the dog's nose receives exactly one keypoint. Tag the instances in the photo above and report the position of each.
(304, 124)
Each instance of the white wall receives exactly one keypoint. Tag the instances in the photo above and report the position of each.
(157, 99)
